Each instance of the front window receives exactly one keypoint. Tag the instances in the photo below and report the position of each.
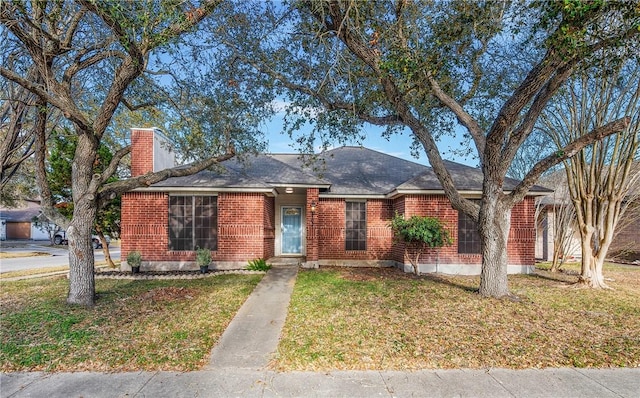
(193, 222)
(468, 236)
(356, 226)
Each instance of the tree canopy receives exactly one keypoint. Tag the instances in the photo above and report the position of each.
(98, 63)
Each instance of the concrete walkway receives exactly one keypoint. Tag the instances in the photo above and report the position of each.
(238, 369)
(251, 339)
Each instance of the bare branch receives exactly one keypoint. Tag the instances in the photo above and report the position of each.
(565, 153)
(113, 165)
(463, 117)
(119, 187)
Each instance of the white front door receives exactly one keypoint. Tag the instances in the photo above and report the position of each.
(291, 240)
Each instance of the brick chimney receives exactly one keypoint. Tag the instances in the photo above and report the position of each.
(151, 151)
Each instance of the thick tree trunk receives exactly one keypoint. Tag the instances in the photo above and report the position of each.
(591, 274)
(84, 183)
(493, 225)
(81, 261)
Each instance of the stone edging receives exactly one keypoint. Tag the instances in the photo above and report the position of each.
(169, 275)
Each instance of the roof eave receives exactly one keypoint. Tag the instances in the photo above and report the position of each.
(470, 193)
(200, 190)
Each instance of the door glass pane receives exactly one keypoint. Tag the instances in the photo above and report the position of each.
(291, 230)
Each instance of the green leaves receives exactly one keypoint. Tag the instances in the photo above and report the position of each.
(422, 230)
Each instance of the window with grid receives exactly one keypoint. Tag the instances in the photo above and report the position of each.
(193, 222)
(356, 226)
(468, 235)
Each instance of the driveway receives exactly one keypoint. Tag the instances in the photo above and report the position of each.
(58, 255)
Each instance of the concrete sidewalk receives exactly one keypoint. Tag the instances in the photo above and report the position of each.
(239, 360)
(251, 383)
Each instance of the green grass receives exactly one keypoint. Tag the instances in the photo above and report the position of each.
(136, 325)
(384, 319)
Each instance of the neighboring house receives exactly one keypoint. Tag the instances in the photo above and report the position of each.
(17, 222)
(273, 206)
(626, 242)
(551, 213)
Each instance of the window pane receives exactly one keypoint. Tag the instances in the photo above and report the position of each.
(468, 236)
(356, 226)
(193, 222)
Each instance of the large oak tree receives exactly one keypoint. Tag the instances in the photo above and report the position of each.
(431, 67)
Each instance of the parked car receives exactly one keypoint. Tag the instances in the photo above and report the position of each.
(61, 239)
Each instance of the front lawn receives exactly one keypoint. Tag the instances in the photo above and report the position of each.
(136, 325)
(355, 318)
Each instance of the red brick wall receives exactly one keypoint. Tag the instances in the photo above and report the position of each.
(269, 216)
(521, 246)
(246, 228)
(521, 243)
(145, 223)
(240, 226)
(312, 221)
(243, 227)
(141, 151)
(627, 238)
(330, 219)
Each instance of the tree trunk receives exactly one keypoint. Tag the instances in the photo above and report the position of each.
(591, 274)
(105, 249)
(81, 260)
(493, 224)
(555, 263)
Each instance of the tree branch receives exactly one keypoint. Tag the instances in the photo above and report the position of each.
(194, 17)
(565, 153)
(463, 117)
(108, 191)
(46, 197)
(132, 108)
(113, 165)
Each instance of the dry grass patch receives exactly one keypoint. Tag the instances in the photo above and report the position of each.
(33, 271)
(5, 255)
(354, 318)
(136, 325)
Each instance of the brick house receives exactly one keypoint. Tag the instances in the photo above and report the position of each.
(271, 206)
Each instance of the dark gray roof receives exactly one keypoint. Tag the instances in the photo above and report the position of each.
(362, 171)
(465, 178)
(24, 213)
(261, 171)
(347, 170)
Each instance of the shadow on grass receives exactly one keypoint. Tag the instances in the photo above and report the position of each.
(561, 277)
(443, 280)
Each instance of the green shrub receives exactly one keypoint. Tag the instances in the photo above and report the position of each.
(259, 264)
(203, 256)
(419, 233)
(134, 258)
(427, 231)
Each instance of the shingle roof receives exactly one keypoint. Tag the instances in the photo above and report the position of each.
(347, 170)
(25, 213)
(261, 171)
